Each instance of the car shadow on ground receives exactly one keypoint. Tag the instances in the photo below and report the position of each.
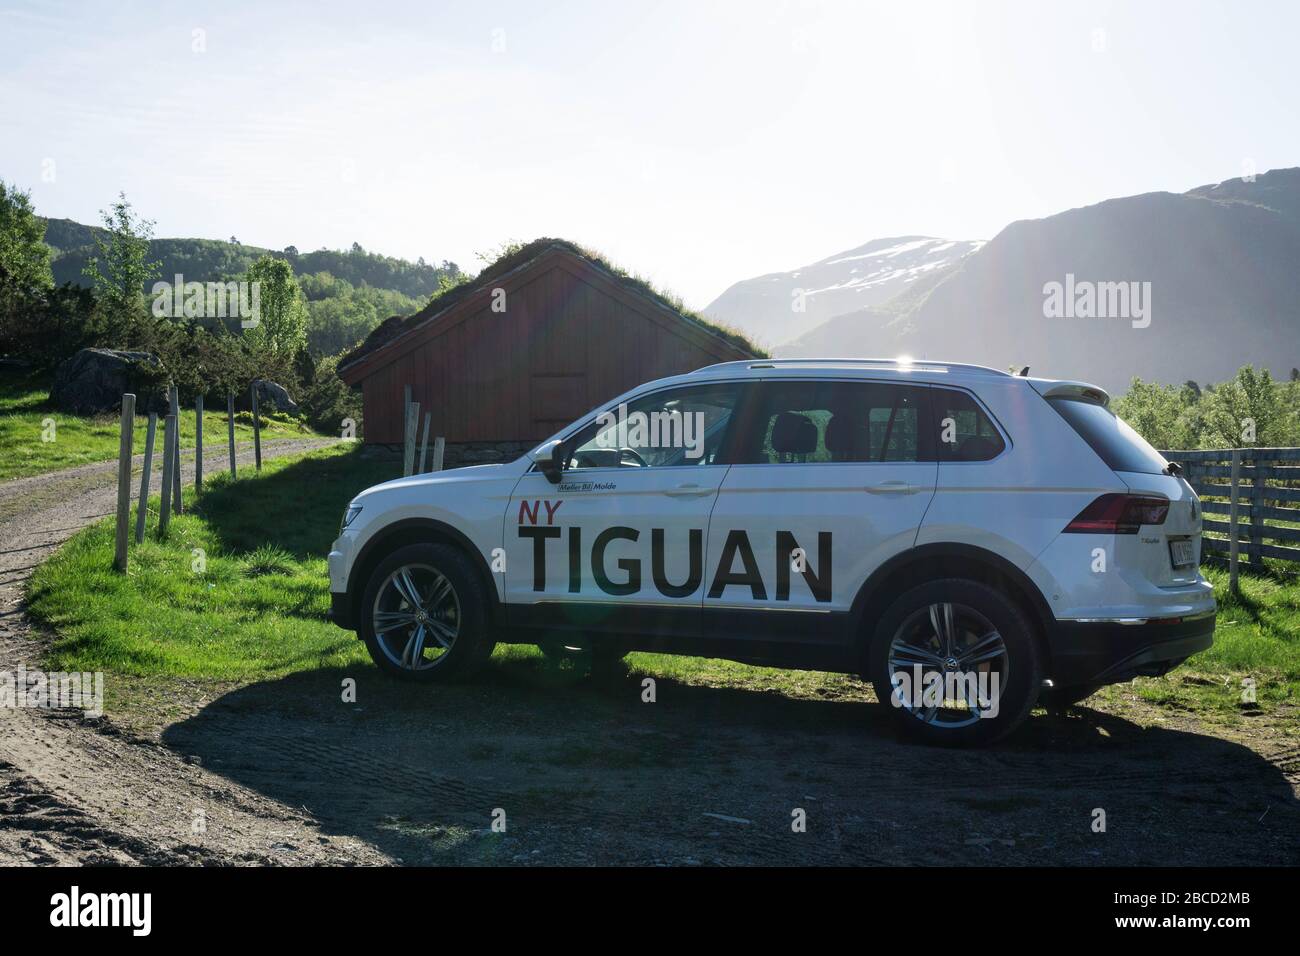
(583, 770)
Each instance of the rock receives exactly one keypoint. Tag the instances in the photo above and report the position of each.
(271, 397)
(94, 380)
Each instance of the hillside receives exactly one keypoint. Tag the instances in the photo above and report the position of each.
(348, 293)
(213, 259)
(1224, 291)
(858, 278)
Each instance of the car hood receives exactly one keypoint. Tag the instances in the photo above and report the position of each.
(452, 476)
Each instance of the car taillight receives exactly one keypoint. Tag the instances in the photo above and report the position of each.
(1119, 514)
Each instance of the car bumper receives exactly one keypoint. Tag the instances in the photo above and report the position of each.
(1109, 652)
(341, 611)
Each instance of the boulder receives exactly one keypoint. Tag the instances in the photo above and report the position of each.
(271, 397)
(93, 382)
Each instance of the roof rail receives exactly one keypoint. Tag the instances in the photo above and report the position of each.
(862, 362)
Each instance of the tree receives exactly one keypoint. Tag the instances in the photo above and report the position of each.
(1248, 409)
(282, 322)
(24, 256)
(1165, 415)
(24, 261)
(120, 271)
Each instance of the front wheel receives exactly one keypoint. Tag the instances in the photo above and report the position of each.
(424, 615)
(956, 663)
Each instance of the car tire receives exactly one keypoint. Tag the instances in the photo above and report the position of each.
(989, 634)
(455, 642)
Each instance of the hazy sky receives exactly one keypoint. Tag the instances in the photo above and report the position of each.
(696, 143)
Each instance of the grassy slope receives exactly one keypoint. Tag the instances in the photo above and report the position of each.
(258, 609)
(81, 440)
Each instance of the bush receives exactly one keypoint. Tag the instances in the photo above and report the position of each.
(327, 400)
(1250, 409)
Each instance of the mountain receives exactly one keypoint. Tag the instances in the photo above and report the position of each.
(866, 276)
(1215, 269)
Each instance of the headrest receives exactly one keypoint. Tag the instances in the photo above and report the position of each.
(793, 434)
(848, 438)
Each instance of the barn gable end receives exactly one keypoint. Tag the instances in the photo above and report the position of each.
(572, 335)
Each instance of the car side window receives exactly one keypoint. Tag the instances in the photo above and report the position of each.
(965, 432)
(676, 427)
(814, 422)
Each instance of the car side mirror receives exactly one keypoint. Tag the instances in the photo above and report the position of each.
(549, 459)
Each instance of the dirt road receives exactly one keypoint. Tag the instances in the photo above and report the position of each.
(584, 770)
(72, 791)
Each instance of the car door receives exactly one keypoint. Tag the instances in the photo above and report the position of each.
(618, 544)
(829, 480)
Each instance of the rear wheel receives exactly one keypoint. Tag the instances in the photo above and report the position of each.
(424, 615)
(956, 663)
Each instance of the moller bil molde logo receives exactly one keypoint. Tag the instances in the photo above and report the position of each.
(790, 559)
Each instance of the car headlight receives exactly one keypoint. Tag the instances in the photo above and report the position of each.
(349, 516)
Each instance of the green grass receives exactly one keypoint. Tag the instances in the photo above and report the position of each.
(254, 606)
(1257, 636)
(80, 440)
(257, 609)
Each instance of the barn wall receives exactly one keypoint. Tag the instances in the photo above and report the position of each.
(566, 342)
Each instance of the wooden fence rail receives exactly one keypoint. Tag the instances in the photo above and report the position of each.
(1261, 483)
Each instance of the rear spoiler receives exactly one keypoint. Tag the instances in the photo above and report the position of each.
(1079, 390)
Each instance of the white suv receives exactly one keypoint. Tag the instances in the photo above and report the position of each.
(968, 540)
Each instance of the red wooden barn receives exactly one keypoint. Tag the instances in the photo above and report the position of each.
(540, 337)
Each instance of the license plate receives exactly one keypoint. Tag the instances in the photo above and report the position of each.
(1182, 553)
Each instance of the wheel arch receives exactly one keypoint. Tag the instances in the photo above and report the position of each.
(417, 531)
(933, 561)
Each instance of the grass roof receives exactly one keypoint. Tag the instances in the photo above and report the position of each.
(515, 257)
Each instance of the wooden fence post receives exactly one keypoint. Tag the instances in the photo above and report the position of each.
(439, 445)
(406, 423)
(1257, 516)
(230, 429)
(125, 449)
(177, 505)
(198, 443)
(1234, 546)
(168, 464)
(424, 445)
(257, 429)
(143, 512)
(408, 450)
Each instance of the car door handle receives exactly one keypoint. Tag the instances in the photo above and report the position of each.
(892, 488)
(688, 490)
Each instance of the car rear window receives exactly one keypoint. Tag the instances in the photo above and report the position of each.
(1115, 443)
